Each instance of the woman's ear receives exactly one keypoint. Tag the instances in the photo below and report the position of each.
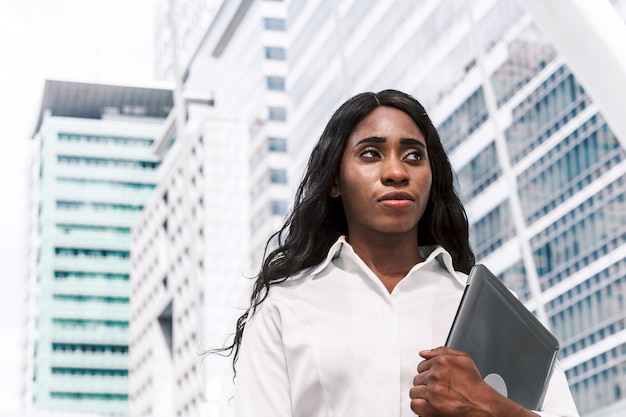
(334, 188)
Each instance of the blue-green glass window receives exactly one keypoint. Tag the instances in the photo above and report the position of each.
(600, 296)
(60, 274)
(91, 253)
(571, 165)
(103, 182)
(493, 230)
(465, 120)
(71, 228)
(277, 144)
(102, 162)
(480, 172)
(105, 140)
(275, 53)
(272, 23)
(85, 396)
(279, 207)
(589, 380)
(275, 83)
(278, 176)
(594, 228)
(80, 205)
(87, 347)
(546, 110)
(277, 113)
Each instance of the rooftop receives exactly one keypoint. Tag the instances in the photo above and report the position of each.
(93, 100)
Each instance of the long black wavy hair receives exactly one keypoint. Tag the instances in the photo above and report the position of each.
(317, 220)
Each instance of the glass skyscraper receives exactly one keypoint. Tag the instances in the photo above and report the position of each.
(93, 168)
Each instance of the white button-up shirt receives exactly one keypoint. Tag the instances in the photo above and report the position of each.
(332, 341)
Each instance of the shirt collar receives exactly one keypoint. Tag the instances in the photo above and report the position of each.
(333, 252)
(431, 253)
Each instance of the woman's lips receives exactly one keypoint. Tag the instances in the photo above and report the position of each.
(396, 199)
(396, 203)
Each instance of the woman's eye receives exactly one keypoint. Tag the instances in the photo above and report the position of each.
(370, 153)
(415, 155)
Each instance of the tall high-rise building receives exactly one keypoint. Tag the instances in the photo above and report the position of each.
(180, 26)
(541, 171)
(93, 168)
(222, 190)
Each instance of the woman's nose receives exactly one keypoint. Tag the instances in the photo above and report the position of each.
(394, 171)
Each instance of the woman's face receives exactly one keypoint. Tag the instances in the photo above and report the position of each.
(385, 176)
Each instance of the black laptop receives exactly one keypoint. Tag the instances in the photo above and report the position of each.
(513, 351)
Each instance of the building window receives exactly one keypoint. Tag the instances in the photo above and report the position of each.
(91, 182)
(91, 253)
(279, 208)
(493, 230)
(105, 162)
(465, 120)
(480, 172)
(277, 113)
(272, 23)
(278, 176)
(79, 205)
(569, 167)
(105, 140)
(275, 83)
(272, 52)
(277, 144)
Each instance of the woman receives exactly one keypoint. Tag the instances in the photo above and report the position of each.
(369, 271)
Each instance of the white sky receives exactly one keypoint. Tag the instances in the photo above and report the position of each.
(85, 40)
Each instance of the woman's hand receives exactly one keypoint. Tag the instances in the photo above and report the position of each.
(449, 384)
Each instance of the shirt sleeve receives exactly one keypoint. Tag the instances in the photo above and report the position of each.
(558, 401)
(262, 382)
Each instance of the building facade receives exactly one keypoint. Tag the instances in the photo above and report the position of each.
(541, 172)
(93, 169)
(180, 26)
(222, 191)
(184, 274)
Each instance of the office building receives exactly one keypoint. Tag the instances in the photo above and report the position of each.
(92, 171)
(541, 172)
(222, 190)
(180, 25)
